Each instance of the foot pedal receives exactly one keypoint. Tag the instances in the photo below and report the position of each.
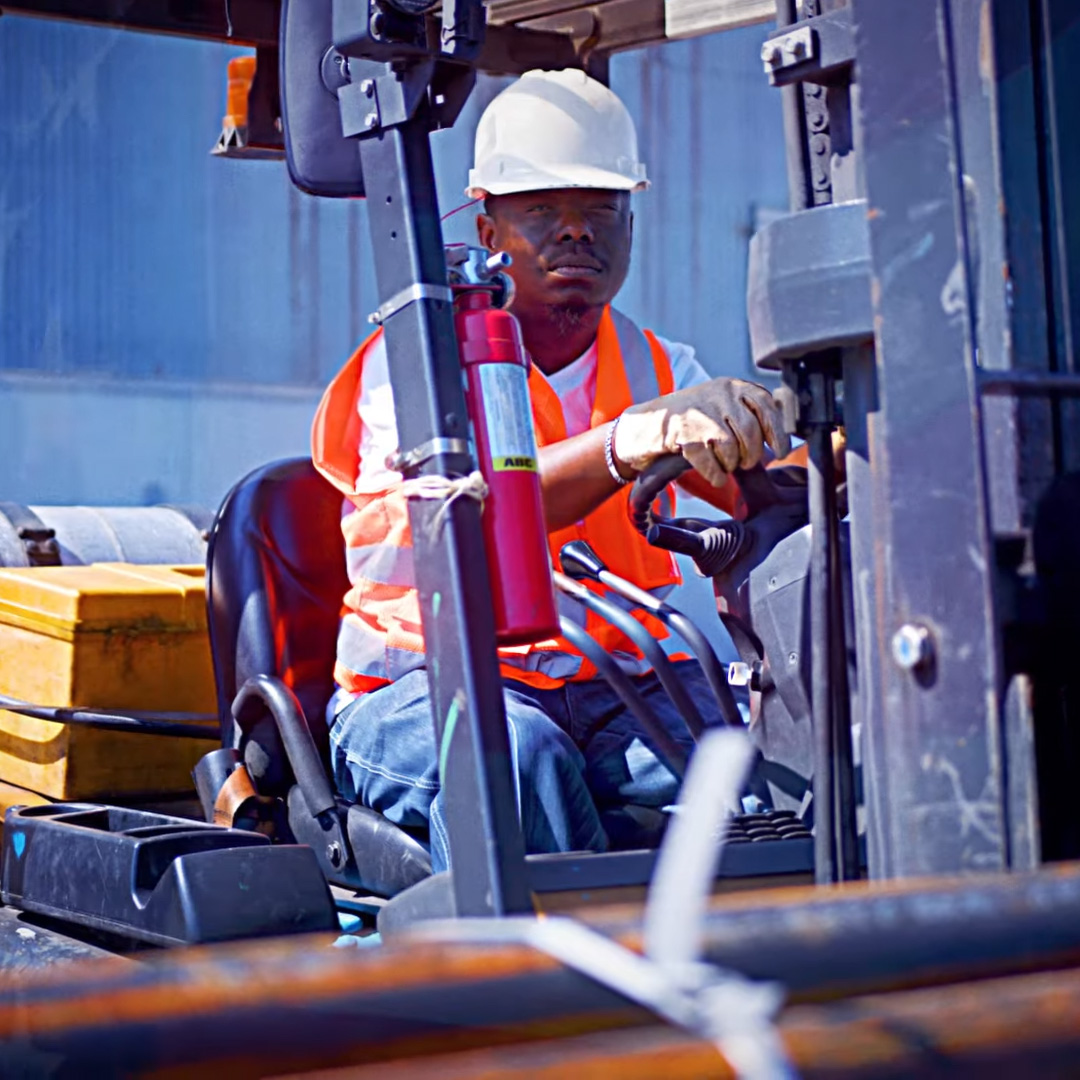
(158, 879)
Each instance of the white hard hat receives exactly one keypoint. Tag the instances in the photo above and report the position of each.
(555, 129)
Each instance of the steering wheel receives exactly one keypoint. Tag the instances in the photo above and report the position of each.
(776, 505)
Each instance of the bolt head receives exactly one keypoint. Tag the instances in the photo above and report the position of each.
(371, 121)
(335, 855)
(773, 55)
(367, 87)
(912, 647)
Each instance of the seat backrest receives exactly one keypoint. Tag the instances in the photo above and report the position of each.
(275, 584)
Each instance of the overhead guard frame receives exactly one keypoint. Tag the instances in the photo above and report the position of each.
(521, 34)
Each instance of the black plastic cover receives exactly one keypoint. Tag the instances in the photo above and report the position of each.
(159, 879)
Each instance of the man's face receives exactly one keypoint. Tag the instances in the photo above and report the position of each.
(571, 246)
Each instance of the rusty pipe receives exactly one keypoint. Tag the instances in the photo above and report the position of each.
(264, 1008)
(1018, 1027)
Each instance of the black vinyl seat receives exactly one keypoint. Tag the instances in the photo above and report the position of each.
(275, 582)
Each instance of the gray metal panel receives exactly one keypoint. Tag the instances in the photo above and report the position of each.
(937, 749)
(809, 283)
(1059, 28)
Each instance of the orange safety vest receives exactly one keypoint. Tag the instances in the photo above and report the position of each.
(381, 638)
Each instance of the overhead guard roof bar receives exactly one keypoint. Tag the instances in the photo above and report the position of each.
(522, 34)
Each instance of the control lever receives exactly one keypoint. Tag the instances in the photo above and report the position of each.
(776, 506)
(641, 637)
(668, 750)
(580, 561)
(713, 545)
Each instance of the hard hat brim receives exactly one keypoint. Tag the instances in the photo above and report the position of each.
(572, 176)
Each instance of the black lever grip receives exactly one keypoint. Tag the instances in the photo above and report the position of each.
(579, 561)
(672, 538)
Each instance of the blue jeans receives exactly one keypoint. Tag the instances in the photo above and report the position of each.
(579, 758)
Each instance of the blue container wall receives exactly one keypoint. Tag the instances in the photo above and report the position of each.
(128, 250)
(711, 136)
(133, 261)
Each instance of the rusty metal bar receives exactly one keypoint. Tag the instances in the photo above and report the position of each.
(273, 1007)
(1018, 1027)
(862, 937)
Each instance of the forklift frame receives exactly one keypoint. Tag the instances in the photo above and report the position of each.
(957, 414)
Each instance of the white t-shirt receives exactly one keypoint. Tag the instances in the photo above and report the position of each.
(574, 385)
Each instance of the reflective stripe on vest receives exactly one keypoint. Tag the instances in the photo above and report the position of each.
(643, 374)
(380, 637)
(640, 365)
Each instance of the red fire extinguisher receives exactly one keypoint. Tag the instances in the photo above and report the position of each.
(495, 364)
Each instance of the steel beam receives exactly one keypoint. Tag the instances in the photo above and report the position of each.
(241, 22)
(528, 33)
(487, 849)
(1018, 1027)
(998, 145)
(937, 748)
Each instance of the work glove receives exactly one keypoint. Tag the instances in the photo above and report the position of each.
(718, 426)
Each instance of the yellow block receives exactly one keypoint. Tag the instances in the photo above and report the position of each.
(107, 636)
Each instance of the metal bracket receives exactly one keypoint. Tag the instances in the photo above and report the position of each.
(808, 284)
(811, 51)
(409, 295)
(418, 455)
(788, 402)
(811, 384)
(463, 25)
(787, 50)
(375, 98)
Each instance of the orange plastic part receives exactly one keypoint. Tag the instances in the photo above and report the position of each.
(241, 76)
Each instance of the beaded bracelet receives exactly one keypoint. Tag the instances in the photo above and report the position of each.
(609, 454)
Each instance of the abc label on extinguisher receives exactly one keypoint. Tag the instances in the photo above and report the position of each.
(505, 390)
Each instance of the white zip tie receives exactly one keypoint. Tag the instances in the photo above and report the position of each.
(734, 1012)
(449, 490)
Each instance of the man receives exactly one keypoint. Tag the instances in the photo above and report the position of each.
(556, 162)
